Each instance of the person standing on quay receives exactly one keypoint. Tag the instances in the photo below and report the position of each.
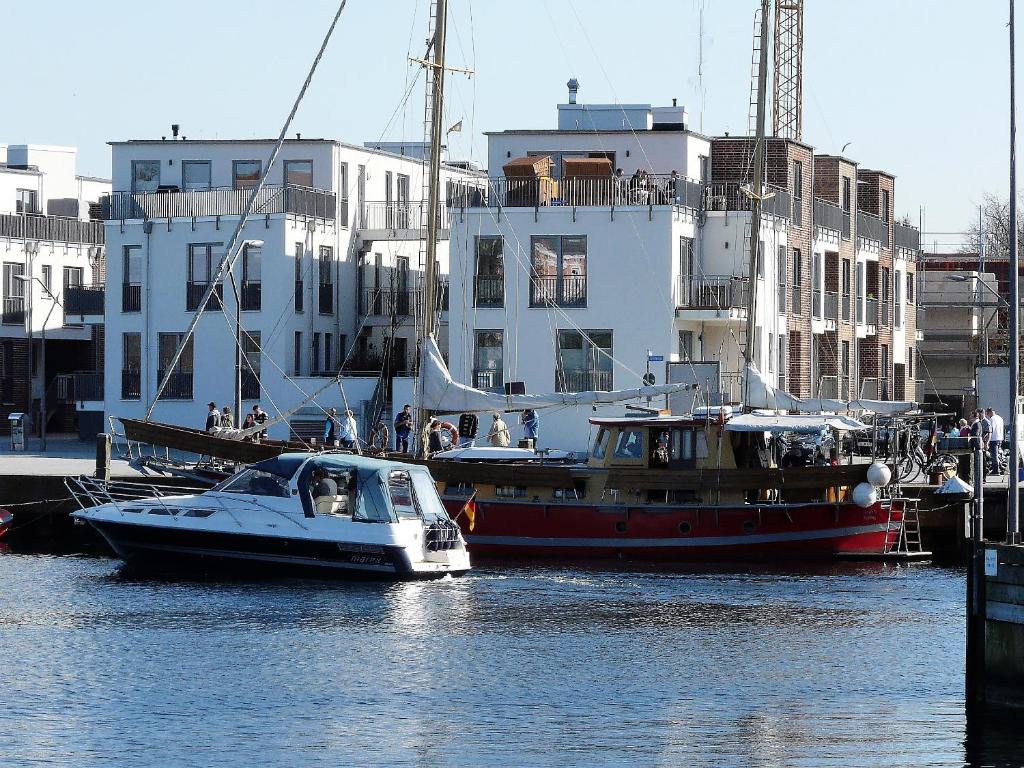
(998, 432)
(403, 428)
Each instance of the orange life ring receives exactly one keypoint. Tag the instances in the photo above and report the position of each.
(453, 432)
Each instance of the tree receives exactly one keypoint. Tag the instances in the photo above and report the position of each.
(995, 217)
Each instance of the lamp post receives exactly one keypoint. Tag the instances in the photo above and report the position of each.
(55, 302)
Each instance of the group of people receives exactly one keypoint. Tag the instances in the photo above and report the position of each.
(642, 188)
(498, 435)
(986, 430)
(221, 419)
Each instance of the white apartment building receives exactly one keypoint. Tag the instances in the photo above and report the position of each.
(331, 271)
(51, 246)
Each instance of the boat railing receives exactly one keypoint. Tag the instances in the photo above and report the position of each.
(93, 492)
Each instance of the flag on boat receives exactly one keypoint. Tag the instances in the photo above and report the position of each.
(469, 510)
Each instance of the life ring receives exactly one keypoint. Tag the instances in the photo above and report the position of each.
(452, 435)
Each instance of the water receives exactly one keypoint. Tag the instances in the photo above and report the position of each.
(852, 665)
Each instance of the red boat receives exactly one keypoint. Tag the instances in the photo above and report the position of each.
(677, 488)
(6, 518)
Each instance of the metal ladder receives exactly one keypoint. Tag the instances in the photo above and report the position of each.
(904, 536)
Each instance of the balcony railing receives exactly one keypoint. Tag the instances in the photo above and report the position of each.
(251, 296)
(395, 216)
(299, 295)
(714, 292)
(490, 290)
(872, 227)
(131, 297)
(846, 304)
(816, 303)
(301, 201)
(83, 300)
(831, 305)
(250, 385)
(582, 380)
(326, 298)
(731, 196)
(51, 228)
(873, 388)
(488, 379)
(567, 291)
(831, 216)
(88, 385)
(131, 385)
(14, 311)
(388, 302)
(870, 312)
(905, 236)
(798, 300)
(730, 387)
(580, 191)
(828, 387)
(179, 385)
(194, 294)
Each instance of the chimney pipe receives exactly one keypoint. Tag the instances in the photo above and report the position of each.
(174, 130)
(673, 102)
(574, 86)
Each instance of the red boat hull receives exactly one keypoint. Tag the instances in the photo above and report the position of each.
(801, 531)
(6, 518)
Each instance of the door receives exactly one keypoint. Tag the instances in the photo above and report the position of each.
(402, 195)
(361, 195)
(389, 203)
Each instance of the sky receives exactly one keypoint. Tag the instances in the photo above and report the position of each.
(917, 87)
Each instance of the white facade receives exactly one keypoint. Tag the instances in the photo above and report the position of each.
(329, 210)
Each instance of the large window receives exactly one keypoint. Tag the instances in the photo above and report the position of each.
(145, 175)
(558, 271)
(298, 172)
(490, 272)
(326, 265)
(897, 299)
(14, 293)
(584, 361)
(781, 270)
(131, 279)
(200, 273)
(300, 249)
(488, 362)
(798, 281)
(297, 354)
(179, 386)
(131, 366)
(343, 194)
(72, 279)
(195, 175)
(250, 365)
(27, 201)
(246, 173)
(252, 280)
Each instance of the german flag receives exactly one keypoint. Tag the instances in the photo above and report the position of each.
(469, 510)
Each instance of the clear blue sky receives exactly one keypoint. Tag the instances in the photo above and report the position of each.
(918, 86)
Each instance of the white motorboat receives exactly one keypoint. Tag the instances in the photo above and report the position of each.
(372, 517)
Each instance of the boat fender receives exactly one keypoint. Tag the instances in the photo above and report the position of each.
(865, 495)
(879, 474)
(453, 432)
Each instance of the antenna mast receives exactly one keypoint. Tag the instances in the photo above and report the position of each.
(788, 91)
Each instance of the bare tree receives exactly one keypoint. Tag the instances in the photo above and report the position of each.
(995, 217)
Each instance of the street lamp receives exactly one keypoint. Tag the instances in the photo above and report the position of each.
(42, 349)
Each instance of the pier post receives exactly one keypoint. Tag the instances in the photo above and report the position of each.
(975, 684)
(103, 451)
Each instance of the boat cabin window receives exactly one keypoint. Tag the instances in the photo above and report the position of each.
(630, 444)
(678, 447)
(601, 443)
(400, 492)
(333, 490)
(256, 483)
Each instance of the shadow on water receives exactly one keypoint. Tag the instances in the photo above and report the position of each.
(994, 738)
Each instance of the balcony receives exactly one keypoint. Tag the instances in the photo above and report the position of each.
(871, 227)
(131, 297)
(730, 388)
(194, 294)
(832, 306)
(51, 228)
(292, 199)
(566, 291)
(828, 215)
(656, 189)
(14, 311)
(730, 196)
(88, 386)
(845, 313)
(326, 298)
(131, 385)
(582, 380)
(179, 386)
(870, 312)
(251, 296)
(713, 292)
(83, 300)
(489, 379)
(875, 389)
(393, 217)
(905, 236)
(389, 302)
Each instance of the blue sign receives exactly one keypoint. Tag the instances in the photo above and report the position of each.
(656, 358)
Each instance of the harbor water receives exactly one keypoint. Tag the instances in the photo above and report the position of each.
(844, 665)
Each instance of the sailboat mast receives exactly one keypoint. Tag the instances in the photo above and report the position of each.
(434, 187)
(757, 193)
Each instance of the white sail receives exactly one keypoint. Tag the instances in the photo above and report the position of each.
(442, 394)
(761, 394)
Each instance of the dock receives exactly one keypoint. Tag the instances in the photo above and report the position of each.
(995, 666)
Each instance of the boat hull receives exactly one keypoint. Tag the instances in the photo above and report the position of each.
(675, 533)
(6, 518)
(151, 548)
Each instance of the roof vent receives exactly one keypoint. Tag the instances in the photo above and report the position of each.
(174, 130)
(574, 87)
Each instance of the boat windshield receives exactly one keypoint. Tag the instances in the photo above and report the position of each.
(601, 443)
(256, 483)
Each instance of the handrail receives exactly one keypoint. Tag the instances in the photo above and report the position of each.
(221, 201)
(59, 229)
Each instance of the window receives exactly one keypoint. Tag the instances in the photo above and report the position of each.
(897, 300)
(72, 279)
(297, 354)
(195, 175)
(131, 366)
(490, 272)
(885, 206)
(200, 273)
(255, 482)
(48, 277)
(771, 352)
(845, 360)
(27, 201)
(760, 259)
(884, 364)
(781, 349)
(328, 352)
(145, 175)
(179, 385)
(488, 360)
(343, 193)
(847, 194)
(846, 286)
(884, 305)
(780, 269)
(798, 281)
(584, 361)
(298, 172)
(630, 444)
(816, 296)
(250, 365)
(14, 294)
(314, 355)
(860, 292)
(326, 262)
(402, 201)
(558, 271)
(246, 173)
(252, 278)
(686, 345)
(910, 287)
(686, 264)
(299, 292)
(910, 363)
(601, 443)
(798, 180)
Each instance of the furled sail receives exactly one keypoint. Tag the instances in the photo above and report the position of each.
(444, 395)
(761, 394)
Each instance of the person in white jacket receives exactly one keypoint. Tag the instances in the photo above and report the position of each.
(499, 436)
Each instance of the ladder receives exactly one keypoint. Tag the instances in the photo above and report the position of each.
(903, 535)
